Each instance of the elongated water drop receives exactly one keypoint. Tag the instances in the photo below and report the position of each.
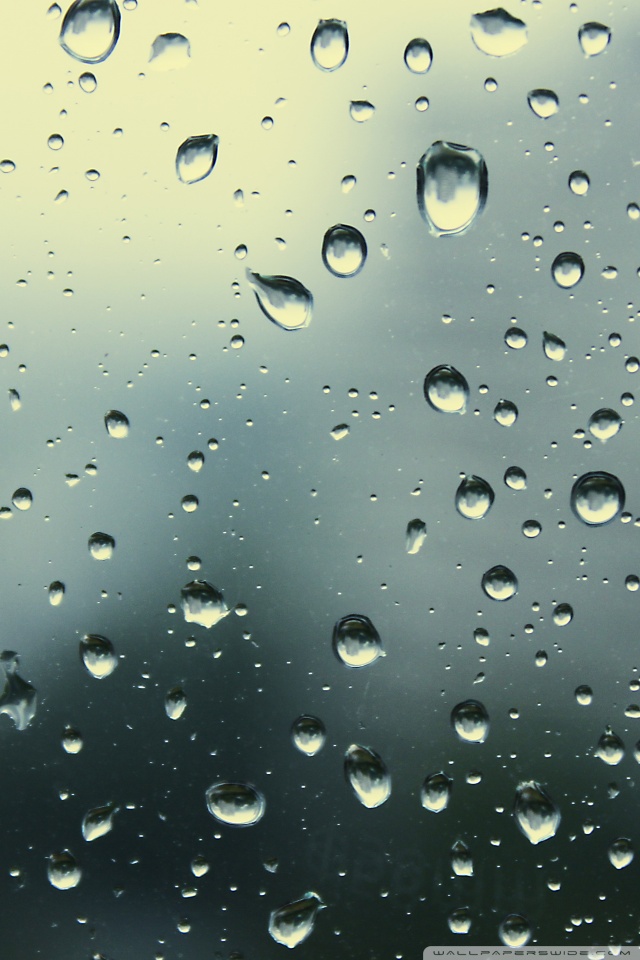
(237, 804)
(474, 498)
(170, 51)
(175, 703)
(597, 498)
(370, 780)
(294, 922)
(544, 103)
(567, 269)
(418, 55)
(56, 593)
(330, 45)
(500, 583)
(196, 157)
(452, 187)
(514, 931)
(98, 656)
(554, 348)
(117, 424)
(101, 546)
(446, 390)
(308, 735)
(461, 861)
(436, 792)
(535, 812)
(344, 250)
(594, 38)
(497, 33)
(90, 29)
(63, 871)
(415, 536)
(19, 698)
(610, 748)
(356, 641)
(604, 424)
(621, 853)
(470, 721)
(98, 821)
(283, 300)
(203, 604)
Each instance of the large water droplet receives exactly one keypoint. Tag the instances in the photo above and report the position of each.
(535, 812)
(604, 424)
(416, 535)
(196, 157)
(514, 931)
(90, 29)
(203, 604)
(283, 300)
(505, 413)
(170, 51)
(98, 656)
(567, 269)
(563, 614)
(497, 33)
(544, 103)
(117, 424)
(63, 871)
(308, 735)
(294, 922)
(459, 920)
(175, 703)
(56, 593)
(344, 250)
(515, 478)
(356, 641)
(474, 498)
(621, 853)
(436, 792)
(418, 56)
(610, 748)
(579, 183)
(584, 695)
(238, 804)
(200, 866)
(500, 583)
(470, 721)
(72, 741)
(101, 546)
(461, 862)
(98, 822)
(452, 187)
(554, 348)
(594, 38)
(330, 45)
(22, 498)
(446, 390)
(597, 498)
(19, 698)
(370, 780)
(361, 110)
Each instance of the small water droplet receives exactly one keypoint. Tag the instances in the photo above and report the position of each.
(101, 546)
(196, 157)
(459, 920)
(56, 593)
(361, 110)
(308, 735)
(291, 924)
(98, 822)
(340, 431)
(470, 721)
(474, 498)
(283, 300)
(531, 528)
(604, 424)
(535, 812)
(594, 38)
(170, 51)
(610, 748)
(515, 338)
(55, 142)
(418, 56)
(579, 183)
(369, 778)
(356, 641)
(203, 604)
(554, 348)
(515, 478)
(344, 250)
(567, 269)
(563, 614)
(446, 390)
(199, 866)
(72, 741)
(415, 536)
(90, 30)
(544, 103)
(87, 82)
(500, 583)
(497, 33)
(98, 656)
(584, 695)
(461, 862)
(237, 804)
(597, 498)
(63, 871)
(22, 498)
(117, 424)
(175, 703)
(621, 853)
(19, 698)
(514, 931)
(330, 45)
(189, 503)
(436, 792)
(7, 166)
(452, 187)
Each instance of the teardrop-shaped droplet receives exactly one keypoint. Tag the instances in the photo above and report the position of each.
(283, 300)
(90, 29)
(597, 498)
(505, 413)
(175, 703)
(330, 45)
(72, 741)
(461, 861)
(418, 55)
(567, 269)
(19, 698)
(370, 780)
(474, 498)
(544, 103)
(196, 157)
(203, 604)
(344, 250)
(98, 656)
(56, 593)
(604, 424)
(356, 641)
(594, 38)
(497, 33)
(98, 822)
(621, 853)
(535, 812)
(416, 535)
(470, 721)
(308, 735)
(294, 922)
(554, 348)
(436, 792)
(579, 183)
(117, 424)
(101, 546)
(237, 804)
(361, 110)
(446, 390)
(500, 583)
(170, 51)
(459, 921)
(63, 871)
(452, 187)
(610, 748)
(514, 931)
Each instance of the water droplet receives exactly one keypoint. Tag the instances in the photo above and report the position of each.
(531, 528)
(19, 698)
(7, 166)
(369, 778)
(88, 82)
(497, 33)
(593, 38)
(308, 735)
(98, 656)
(195, 461)
(22, 498)
(199, 866)
(237, 804)
(544, 103)
(461, 862)
(610, 748)
(340, 431)
(459, 920)
(98, 822)
(356, 641)
(196, 157)
(516, 338)
(633, 210)
(584, 695)
(470, 720)
(63, 871)
(55, 142)
(514, 931)
(474, 498)
(14, 400)
(56, 593)
(348, 183)
(415, 536)
(554, 348)
(72, 741)
(604, 424)
(567, 270)
(330, 45)
(452, 187)
(563, 614)
(283, 300)
(117, 424)
(175, 703)
(170, 51)
(446, 390)
(101, 546)
(500, 583)
(189, 503)
(361, 110)
(90, 29)
(515, 478)
(579, 183)
(436, 792)
(535, 812)
(203, 604)
(621, 853)
(418, 56)
(344, 250)
(597, 498)
(294, 922)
